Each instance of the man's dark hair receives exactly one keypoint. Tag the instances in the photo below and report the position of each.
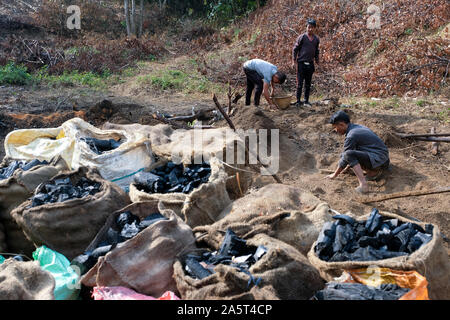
(281, 76)
(311, 22)
(340, 116)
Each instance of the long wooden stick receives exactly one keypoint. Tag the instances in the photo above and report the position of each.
(404, 194)
(424, 135)
(434, 145)
(230, 123)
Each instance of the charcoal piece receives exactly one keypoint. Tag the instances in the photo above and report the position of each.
(126, 218)
(146, 178)
(359, 291)
(39, 199)
(62, 181)
(158, 187)
(170, 165)
(384, 235)
(100, 146)
(359, 229)
(203, 172)
(344, 235)
(369, 241)
(392, 223)
(84, 262)
(424, 237)
(101, 251)
(429, 229)
(173, 177)
(371, 254)
(33, 163)
(400, 228)
(63, 197)
(13, 166)
(260, 251)
(177, 188)
(374, 221)
(151, 219)
(345, 218)
(188, 188)
(232, 245)
(325, 239)
(129, 230)
(404, 236)
(195, 269)
(112, 236)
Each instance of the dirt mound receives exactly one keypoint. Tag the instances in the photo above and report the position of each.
(247, 117)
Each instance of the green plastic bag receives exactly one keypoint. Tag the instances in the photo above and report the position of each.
(67, 281)
(2, 259)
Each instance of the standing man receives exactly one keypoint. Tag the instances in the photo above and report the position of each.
(305, 51)
(261, 74)
(363, 150)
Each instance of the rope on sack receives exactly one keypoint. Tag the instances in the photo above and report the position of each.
(127, 189)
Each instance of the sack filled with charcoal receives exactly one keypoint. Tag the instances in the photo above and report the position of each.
(66, 212)
(260, 268)
(17, 188)
(287, 213)
(136, 248)
(385, 240)
(197, 192)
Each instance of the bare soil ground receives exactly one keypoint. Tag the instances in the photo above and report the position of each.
(306, 141)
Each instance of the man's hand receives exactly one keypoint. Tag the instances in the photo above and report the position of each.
(293, 64)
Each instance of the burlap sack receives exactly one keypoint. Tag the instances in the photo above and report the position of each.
(431, 260)
(185, 145)
(145, 262)
(17, 189)
(284, 212)
(68, 227)
(199, 207)
(25, 281)
(284, 273)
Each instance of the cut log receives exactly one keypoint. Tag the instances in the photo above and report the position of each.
(435, 144)
(404, 194)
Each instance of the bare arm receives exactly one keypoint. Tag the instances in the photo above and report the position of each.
(266, 93)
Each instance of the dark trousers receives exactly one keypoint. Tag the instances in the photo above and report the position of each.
(254, 80)
(304, 73)
(353, 157)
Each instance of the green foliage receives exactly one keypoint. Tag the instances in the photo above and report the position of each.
(179, 80)
(223, 12)
(73, 78)
(14, 74)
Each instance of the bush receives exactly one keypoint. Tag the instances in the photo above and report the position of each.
(14, 74)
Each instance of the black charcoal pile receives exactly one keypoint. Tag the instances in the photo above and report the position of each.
(125, 227)
(8, 171)
(60, 190)
(375, 239)
(358, 291)
(173, 178)
(101, 146)
(233, 252)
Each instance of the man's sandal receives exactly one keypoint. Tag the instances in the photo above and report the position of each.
(360, 190)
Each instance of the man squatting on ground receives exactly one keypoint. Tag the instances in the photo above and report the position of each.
(305, 51)
(261, 74)
(363, 150)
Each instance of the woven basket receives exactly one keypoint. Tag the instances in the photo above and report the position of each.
(282, 102)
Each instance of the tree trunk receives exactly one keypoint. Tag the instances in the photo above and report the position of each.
(127, 17)
(141, 19)
(133, 17)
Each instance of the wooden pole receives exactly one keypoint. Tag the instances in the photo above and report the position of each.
(434, 144)
(404, 194)
(230, 123)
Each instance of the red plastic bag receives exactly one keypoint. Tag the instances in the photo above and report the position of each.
(122, 293)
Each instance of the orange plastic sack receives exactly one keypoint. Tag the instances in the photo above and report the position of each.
(375, 276)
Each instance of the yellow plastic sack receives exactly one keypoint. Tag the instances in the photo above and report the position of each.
(375, 276)
(119, 164)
